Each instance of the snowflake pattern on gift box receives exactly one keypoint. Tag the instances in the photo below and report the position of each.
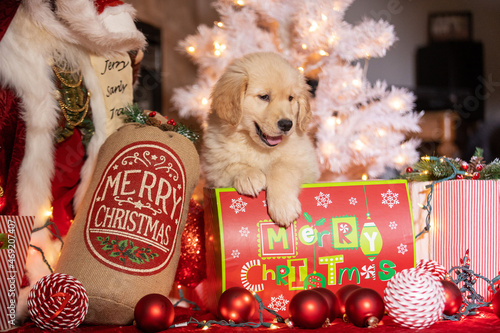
(368, 271)
(390, 198)
(278, 303)
(323, 200)
(244, 232)
(393, 225)
(402, 248)
(353, 201)
(235, 254)
(238, 205)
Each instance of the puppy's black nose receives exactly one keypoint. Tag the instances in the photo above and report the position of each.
(285, 124)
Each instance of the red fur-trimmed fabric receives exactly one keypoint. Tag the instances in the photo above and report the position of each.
(11, 150)
(8, 9)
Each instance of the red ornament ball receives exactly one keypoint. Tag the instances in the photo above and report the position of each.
(465, 166)
(236, 304)
(452, 298)
(342, 294)
(459, 176)
(409, 170)
(308, 309)
(154, 313)
(332, 300)
(152, 114)
(365, 307)
(476, 175)
(479, 167)
(495, 304)
(57, 301)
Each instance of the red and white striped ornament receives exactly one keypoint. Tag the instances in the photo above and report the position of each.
(414, 298)
(433, 267)
(58, 301)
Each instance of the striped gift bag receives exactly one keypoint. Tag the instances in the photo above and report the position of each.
(466, 216)
(15, 234)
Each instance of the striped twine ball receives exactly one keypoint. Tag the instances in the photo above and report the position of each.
(434, 268)
(58, 301)
(414, 298)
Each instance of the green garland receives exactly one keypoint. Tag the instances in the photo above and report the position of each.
(432, 169)
(135, 115)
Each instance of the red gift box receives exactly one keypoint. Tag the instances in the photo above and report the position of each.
(465, 216)
(349, 233)
(15, 234)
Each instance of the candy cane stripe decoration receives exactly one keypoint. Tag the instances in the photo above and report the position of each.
(58, 301)
(414, 298)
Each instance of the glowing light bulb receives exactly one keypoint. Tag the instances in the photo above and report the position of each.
(381, 132)
(356, 83)
(323, 17)
(240, 2)
(397, 103)
(304, 46)
(323, 53)
(301, 69)
(358, 144)
(191, 49)
(364, 177)
(314, 26)
(219, 24)
(204, 101)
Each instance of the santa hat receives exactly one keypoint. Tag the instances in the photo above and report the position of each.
(105, 27)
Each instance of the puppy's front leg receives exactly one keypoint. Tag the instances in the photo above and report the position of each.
(247, 180)
(283, 188)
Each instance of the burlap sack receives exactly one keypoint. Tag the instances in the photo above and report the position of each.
(125, 241)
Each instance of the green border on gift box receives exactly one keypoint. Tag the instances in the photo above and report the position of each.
(310, 185)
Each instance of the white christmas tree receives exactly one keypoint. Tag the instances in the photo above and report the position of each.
(360, 128)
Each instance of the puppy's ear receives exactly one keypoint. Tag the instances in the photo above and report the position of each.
(228, 93)
(305, 113)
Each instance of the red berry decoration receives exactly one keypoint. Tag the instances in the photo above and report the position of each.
(495, 304)
(236, 304)
(154, 313)
(152, 114)
(409, 170)
(332, 300)
(171, 122)
(364, 307)
(459, 176)
(452, 298)
(479, 167)
(476, 175)
(57, 301)
(308, 309)
(342, 294)
(464, 166)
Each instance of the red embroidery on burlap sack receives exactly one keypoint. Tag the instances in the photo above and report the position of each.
(135, 214)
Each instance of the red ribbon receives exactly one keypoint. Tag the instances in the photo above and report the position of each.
(63, 304)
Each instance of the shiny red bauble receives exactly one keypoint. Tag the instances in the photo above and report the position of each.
(364, 307)
(495, 304)
(308, 309)
(154, 313)
(332, 300)
(236, 304)
(409, 170)
(342, 294)
(452, 298)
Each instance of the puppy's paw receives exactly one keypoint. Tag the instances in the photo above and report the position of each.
(283, 210)
(250, 182)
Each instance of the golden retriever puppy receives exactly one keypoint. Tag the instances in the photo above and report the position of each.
(256, 137)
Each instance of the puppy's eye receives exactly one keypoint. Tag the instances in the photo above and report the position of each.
(290, 98)
(265, 98)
